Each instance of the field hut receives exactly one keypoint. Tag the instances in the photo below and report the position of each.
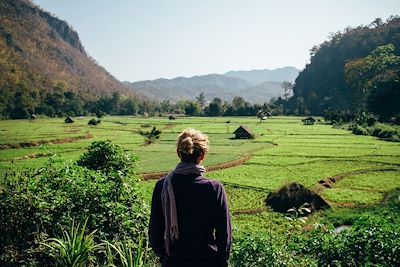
(309, 121)
(68, 120)
(243, 133)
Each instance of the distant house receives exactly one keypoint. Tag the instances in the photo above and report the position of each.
(243, 133)
(309, 121)
(68, 120)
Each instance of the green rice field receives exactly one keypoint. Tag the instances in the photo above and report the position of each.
(284, 150)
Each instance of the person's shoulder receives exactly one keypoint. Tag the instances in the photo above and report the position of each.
(159, 183)
(214, 183)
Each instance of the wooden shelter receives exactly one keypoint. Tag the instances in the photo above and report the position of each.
(68, 120)
(243, 133)
(309, 121)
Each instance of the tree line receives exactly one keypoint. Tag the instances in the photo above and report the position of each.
(356, 70)
(25, 102)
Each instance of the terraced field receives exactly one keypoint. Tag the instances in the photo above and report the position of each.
(350, 172)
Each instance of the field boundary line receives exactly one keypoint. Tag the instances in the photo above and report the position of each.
(328, 182)
(43, 142)
(225, 165)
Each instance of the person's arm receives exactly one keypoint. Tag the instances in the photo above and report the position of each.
(223, 229)
(157, 224)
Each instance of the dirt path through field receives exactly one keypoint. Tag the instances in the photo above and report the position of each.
(330, 181)
(225, 165)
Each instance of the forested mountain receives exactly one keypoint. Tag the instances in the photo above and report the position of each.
(261, 76)
(256, 86)
(42, 57)
(188, 88)
(355, 70)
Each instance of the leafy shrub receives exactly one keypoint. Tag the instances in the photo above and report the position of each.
(386, 132)
(107, 157)
(255, 250)
(338, 116)
(151, 136)
(40, 203)
(94, 122)
(371, 241)
(366, 119)
(359, 130)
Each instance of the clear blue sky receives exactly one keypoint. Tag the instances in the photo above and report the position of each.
(145, 39)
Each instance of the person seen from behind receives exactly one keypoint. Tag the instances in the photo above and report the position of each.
(190, 221)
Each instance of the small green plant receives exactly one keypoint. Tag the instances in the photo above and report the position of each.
(151, 136)
(94, 122)
(125, 253)
(74, 248)
(300, 213)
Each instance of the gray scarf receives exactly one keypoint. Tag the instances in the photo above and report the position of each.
(168, 200)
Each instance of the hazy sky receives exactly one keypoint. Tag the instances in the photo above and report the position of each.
(137, 40)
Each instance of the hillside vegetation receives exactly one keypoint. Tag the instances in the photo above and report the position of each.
(41, 57)
(357, 69)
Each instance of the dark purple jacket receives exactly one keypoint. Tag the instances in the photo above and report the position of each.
(205, 234)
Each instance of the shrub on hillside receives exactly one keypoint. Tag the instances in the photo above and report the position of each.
(359, 129)
(366, 119)
(107, 157)
(36, 204)
(370, 242)
(386, 132)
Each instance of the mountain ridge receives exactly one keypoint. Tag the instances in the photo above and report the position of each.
(258, 87)
(42, 51)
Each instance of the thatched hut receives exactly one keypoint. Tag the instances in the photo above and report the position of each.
(243, 133)
(68, 120)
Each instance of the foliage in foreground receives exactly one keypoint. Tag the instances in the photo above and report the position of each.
(37, 204)
(370, 241)
(74, 248)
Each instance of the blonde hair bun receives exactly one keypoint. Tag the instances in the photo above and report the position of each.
(187, 145)
(192, 142)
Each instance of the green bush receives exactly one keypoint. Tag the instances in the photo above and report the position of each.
(107, 157)
(366, 119)
(359, 130)
(37, 204)
(386, 132)
(257, 250)
(94, 122)
(371, 241)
